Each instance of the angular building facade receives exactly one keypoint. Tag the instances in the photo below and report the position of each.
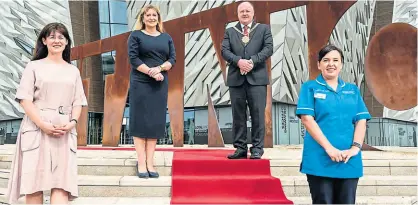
(91, 21)
(289, 60)
(22, 21)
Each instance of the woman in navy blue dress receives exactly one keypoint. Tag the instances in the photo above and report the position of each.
(151, 55)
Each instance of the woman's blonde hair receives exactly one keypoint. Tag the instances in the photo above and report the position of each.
(139, 25)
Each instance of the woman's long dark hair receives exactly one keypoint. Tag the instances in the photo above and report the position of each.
(41, 50)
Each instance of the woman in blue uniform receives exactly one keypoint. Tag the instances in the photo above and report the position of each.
(335, 116)
(151, 55)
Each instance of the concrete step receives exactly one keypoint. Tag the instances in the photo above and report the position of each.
(123, 164)
(407, 200)
(108, 177)
(284, 160)
(132, 186)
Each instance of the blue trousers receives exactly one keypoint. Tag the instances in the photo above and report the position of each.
(326, 190)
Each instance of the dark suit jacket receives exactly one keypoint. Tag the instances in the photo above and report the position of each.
(259, 48)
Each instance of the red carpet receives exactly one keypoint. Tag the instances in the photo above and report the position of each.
(208, 177)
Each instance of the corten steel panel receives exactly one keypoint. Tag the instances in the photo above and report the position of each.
(116, 92)
(81, 127)
(391, 66)
(116, 86)
(176, 82)
(322, 18)
(215, 138)
(367, 147)
(268, 134)
(82, 122)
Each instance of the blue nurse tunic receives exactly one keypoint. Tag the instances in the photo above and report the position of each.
(336, 113)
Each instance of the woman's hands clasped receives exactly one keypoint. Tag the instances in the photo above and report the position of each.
(347, 154)
(50, 129)
(158, 77)
(337, 155)
(67, 127)
(155, 72)
(55, 130)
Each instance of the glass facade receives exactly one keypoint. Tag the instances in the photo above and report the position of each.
(113, 21)
(8, 131)
(188, 131)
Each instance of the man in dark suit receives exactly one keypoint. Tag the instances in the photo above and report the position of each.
(246, 48)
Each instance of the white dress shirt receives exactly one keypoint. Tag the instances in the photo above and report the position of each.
(249, 27)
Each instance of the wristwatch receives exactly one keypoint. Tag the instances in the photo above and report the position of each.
(161, 67)
(356, 144)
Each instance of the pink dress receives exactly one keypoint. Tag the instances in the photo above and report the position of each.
(43, 162)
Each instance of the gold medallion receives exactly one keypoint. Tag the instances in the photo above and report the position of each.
(245, 39)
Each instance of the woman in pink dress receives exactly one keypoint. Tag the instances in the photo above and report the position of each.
(52, 96)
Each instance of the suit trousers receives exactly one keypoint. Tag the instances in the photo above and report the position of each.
(255, 97)
(326, 190)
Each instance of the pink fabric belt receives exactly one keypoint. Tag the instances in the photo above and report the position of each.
(63, 109)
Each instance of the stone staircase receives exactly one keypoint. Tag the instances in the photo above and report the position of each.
(108, 177)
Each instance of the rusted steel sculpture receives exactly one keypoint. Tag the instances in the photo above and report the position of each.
(83, 119)
(322, 16)
(116, 87)
(391, 66)
(215, 138)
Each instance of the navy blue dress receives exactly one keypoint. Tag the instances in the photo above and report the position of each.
(148, 97)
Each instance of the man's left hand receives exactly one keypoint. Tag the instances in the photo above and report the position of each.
(347, 154)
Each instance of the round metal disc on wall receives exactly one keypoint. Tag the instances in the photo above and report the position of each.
(391, 66)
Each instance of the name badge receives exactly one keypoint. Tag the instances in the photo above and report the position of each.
(320, 95)
(348, 92)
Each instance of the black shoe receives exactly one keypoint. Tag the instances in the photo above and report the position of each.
(141, 174)
(238, 154)
(255, 155)
(153, 175)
